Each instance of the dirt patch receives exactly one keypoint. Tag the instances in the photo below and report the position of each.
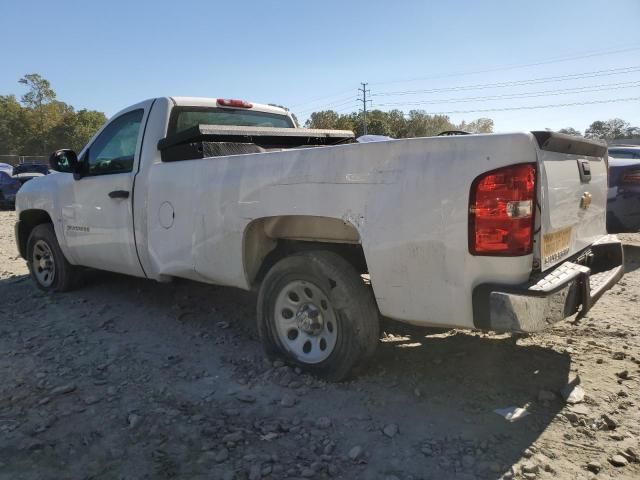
(126, 378)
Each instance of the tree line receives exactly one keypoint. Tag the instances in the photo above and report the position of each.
(612, 129)
(39, 123)
(418, 123)
(395, 123)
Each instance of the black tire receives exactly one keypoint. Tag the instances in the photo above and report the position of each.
(64, 276)
(352, 301)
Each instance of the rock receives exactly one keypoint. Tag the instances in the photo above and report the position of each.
(618, 461)
(530, 467)
(390, 430)
(580, 409)
(618, 355)
(623, 375)
(134, 420)
(610, 423)
(323, 423)
(307, 473)
(573, 394)
(278, 364)
(221, 455)
(255, 472)
(594, 467)
(417, 392)
(468, 461)
(631, 454)
(91, 399)
(356, 453)
(246, 398)
(546, 396)
(288, 401)
(62, 389)
(233, 437)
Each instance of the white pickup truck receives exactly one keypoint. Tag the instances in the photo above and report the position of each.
(502, 232)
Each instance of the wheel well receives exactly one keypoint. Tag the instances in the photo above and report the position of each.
(270, 239)
(29, 219)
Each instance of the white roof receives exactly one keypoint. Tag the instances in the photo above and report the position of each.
(213, 102)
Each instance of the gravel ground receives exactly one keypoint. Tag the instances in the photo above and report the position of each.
(127, 378)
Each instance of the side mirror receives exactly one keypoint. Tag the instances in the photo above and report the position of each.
(64, 160)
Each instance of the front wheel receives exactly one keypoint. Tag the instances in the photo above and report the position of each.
(48, 266)
(315, 310)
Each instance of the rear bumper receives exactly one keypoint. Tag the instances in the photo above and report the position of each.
(573, 286)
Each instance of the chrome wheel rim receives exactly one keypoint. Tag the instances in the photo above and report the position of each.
(44, 267)
(305, 322)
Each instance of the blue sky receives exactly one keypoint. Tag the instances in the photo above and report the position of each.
(106, 55)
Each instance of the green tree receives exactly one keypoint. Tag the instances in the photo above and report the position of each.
(610, 129)
(323, 119)
(14, 126)
(40, 121)
(420, 124)
(40, 93)
(481, 125)
(570, 131)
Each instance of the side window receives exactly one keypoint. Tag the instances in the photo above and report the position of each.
(115, 148)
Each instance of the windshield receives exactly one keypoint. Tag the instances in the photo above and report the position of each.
(183, 118)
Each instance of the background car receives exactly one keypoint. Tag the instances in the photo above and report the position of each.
(27, 171)
(623, 199)
(5, 167)
(9, 186)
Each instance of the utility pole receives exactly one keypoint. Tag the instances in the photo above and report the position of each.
(364, 101)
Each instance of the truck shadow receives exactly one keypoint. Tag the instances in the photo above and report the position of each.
(448, 386)
(440, 387)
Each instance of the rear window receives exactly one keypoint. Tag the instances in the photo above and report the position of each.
(183, 118)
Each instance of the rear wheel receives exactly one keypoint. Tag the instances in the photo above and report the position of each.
(315, 311)
(48, 266)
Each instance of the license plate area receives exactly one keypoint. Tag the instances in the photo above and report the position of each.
(555, 246)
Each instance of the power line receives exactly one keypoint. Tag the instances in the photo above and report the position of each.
(517, 83)
(306, 102)
(328, 106)
(513, 67)
(543, 93)
(538, 107)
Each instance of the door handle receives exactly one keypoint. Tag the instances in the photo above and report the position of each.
(119, 194)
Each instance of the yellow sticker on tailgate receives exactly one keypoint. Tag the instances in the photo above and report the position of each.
(555, 246)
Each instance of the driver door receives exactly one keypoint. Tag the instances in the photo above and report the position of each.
(98, 224)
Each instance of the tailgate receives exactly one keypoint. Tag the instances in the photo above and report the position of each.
(573, 195)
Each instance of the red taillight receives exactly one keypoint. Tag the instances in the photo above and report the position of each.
(631, 177)
(232, 102)
(501, 211)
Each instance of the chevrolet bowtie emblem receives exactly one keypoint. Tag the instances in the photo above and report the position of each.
(585, 201)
